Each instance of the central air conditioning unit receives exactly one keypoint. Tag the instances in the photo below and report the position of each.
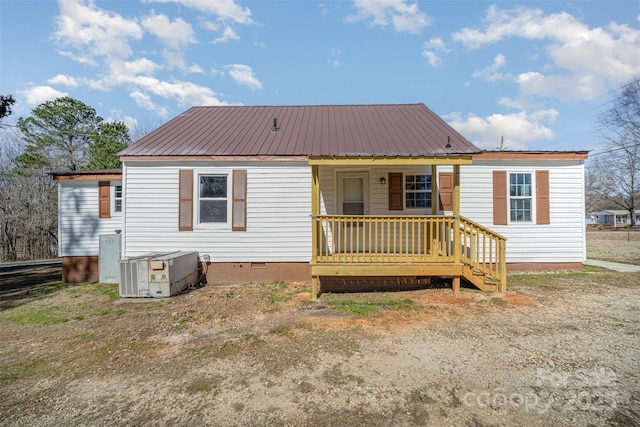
(158, 275)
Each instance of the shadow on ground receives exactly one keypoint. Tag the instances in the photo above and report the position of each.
(19, 287)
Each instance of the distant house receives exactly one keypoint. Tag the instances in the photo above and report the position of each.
(616, 217)
(319, 192)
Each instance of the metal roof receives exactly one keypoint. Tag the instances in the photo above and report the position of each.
(305, 130)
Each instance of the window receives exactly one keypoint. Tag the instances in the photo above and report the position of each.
(213, 198)
(117, 199)
(520, 197)
(417, 191)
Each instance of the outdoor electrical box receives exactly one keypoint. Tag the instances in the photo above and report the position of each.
(108, 257)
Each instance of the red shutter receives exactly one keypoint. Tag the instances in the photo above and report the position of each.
(445, 187)
(239, 207)
(542, 197)
(104, 199)
(500, 197)
(185, 200)
(396, 193)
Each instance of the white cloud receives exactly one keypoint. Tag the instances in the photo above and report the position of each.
(174, 34)
(225, 10)
(243, 75)
(63, 80)
(518, 129)
(228, 34)
(216, 72)
(195, 69)
(93, 31)
(490, 73)
(585, 60)
(431, 48)
(432, 58)
(334, 62)
(36, 95)
(403, 16)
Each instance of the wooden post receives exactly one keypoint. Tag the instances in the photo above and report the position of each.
(315, 211)
(434, 190)
(456, 284)
(457, 249)
(502, 265)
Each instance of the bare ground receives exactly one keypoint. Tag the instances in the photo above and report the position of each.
(618, 246)
(559, 349)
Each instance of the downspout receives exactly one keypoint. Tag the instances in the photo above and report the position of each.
(584, 219)
(123, 233)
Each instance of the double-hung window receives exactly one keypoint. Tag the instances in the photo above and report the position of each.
(213, 198)
(520, 197)
(417, 191)
(117, 198)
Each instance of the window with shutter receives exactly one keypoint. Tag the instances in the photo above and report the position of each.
(104, 199)
(185, 200)
(239, 206)
(396, 199)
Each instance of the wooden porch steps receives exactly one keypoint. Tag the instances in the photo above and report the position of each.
(480, 280)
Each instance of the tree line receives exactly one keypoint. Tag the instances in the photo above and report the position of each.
(60, 135)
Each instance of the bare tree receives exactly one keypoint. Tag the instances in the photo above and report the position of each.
(27, 207)
(618, 170)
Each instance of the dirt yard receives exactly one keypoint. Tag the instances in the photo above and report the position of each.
(620, 246)
(558, 349)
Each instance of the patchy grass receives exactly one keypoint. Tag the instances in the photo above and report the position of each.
(38, 316)
(60, 303)
(204, 384)
(374, 304)
(336, 377)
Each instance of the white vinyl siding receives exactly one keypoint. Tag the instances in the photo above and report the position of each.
(378, 194)
(278, 212)
(79, 227)
(563, 240)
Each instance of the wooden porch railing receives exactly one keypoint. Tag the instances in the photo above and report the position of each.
(375, 239)
(484, 251)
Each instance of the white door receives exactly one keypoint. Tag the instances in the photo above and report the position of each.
(353, 199)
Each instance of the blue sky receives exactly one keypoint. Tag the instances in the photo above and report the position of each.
(536, 73)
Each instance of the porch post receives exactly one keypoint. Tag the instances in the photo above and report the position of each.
(315, 211)
(434, 190)
(457, 249)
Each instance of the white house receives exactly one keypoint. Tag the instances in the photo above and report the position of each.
(309, 192)
(616, 217)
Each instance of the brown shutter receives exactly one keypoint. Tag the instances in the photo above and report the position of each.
(395, 192)
(104, 199)
(500, 197)
(185, 200)
(445, 187)
(542, 197)
(239, 207)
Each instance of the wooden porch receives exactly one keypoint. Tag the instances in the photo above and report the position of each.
(405, 245)
(409, 246)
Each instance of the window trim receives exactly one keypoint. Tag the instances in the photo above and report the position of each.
(532, 197)
(114, 199)
(196, 198)
(405, 191)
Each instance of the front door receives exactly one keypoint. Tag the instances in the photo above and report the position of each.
(353, 200)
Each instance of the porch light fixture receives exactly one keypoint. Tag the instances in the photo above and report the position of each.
(383, 180)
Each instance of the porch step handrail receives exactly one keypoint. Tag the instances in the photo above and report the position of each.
(484, 251)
